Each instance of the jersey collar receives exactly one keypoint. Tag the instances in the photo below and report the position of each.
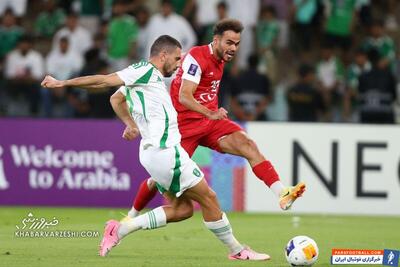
(157, 71)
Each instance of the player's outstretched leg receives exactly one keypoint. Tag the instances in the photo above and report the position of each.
(146, 192)
(180, 209)
(217, 222)
(238, 143)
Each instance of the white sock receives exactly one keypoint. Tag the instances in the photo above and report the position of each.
(277, 188)
(223, 231)
(150, 220)
(133, 213)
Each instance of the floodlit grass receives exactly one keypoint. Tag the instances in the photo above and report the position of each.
(186, 243)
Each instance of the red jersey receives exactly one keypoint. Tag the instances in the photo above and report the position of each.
(201, 67)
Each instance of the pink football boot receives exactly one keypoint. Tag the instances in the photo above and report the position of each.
(110, 237)
(249, 254)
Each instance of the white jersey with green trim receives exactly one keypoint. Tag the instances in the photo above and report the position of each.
(150, 104)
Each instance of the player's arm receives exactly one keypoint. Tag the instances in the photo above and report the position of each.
(192, 72)
(186, 98)
(91, 82)
(120, 107)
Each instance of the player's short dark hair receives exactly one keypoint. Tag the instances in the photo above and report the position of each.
(164, 42)
(228, 25)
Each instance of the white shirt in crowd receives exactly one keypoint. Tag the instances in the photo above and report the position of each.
(206, 12)
(18, 64)
(80, 39)
(63, 65)
(173, 25)
(17, 6)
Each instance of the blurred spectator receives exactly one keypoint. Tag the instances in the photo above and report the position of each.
(24, 70)
(142, 18)
(378, 40)
(282, 9)
(96, 104)
(100, 45)
(303, 12)
(360, 66)
(267, 32)
(186, 8)
(364, 12)
(340, 21)
(168, 22)
(62, 63)
(251, 93)
(10, 32)
(49, 20)
(377, 93)
(248, 15)
(330, 73)
(122, 35)
(304, 100)
(222, 13)
(391, 20)
(80, 39)
(90, 11)
(206, 17)
(18, 7)
(99, 101)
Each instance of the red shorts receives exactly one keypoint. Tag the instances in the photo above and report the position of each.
(205, 132)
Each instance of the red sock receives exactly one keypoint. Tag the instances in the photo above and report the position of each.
(143, 196)
(266, 172)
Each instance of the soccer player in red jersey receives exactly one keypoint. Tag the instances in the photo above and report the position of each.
(194, 93)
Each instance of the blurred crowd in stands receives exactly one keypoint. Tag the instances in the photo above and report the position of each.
(299, 60)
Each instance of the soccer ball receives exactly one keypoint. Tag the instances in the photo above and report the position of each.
(301, 251)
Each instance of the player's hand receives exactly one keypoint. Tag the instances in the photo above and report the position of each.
(130, 133)
(50, 82)
(220, 114)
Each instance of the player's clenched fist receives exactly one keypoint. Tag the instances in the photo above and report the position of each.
(130, 133)
(220, 114)
(50, 82)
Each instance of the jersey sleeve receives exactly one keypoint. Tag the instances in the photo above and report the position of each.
(192, 67)
(136, 74)
(123, 90)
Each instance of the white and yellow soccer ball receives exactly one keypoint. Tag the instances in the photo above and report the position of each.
(301, 251)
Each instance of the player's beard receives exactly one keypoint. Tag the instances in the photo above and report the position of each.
(221, 53)
(168, 71)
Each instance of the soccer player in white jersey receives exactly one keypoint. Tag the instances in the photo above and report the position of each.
(145, 107)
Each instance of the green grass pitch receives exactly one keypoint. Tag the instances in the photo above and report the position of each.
(186, 243)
